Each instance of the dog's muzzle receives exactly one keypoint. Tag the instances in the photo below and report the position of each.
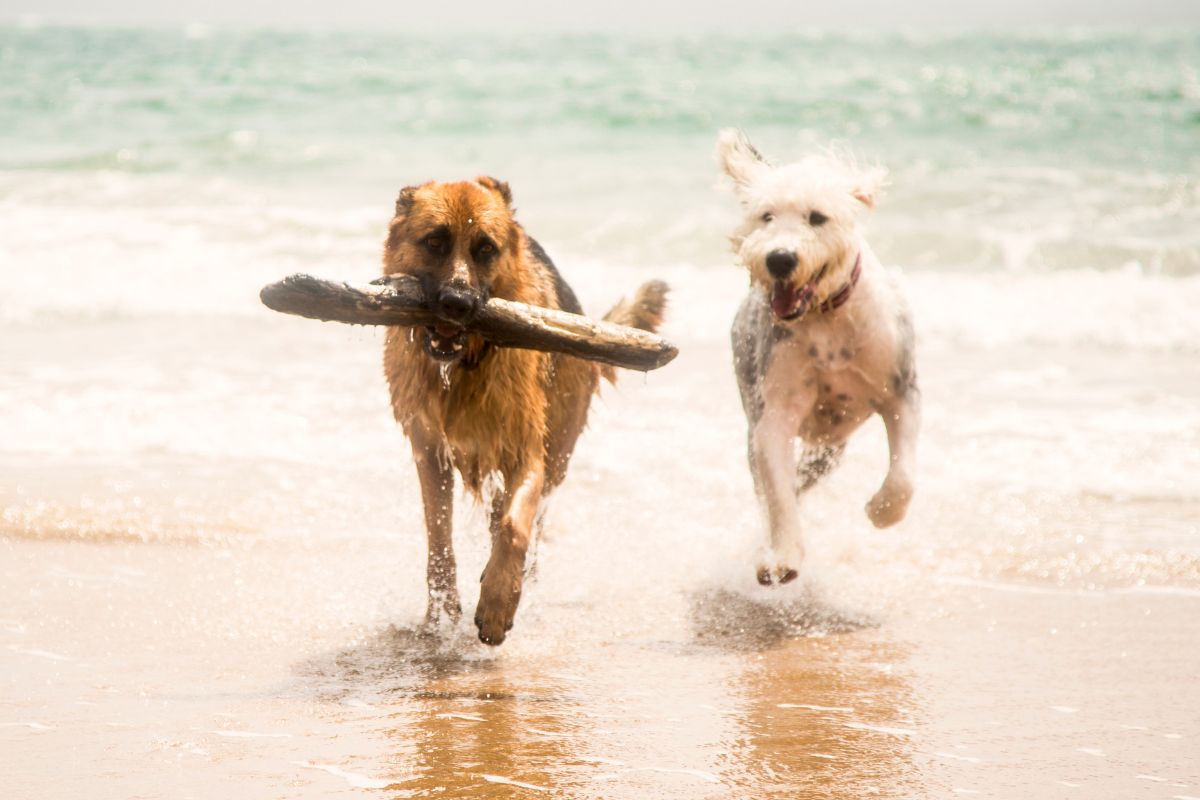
(791, 301)
(788, 300)
(459, 305)
(446, 340)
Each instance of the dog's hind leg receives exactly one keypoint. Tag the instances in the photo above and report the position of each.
(815, 463)
(902, 419)
(436, 475)
(513, 514)
(901, 414)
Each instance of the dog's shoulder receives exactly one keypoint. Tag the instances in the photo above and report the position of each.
(567, 300)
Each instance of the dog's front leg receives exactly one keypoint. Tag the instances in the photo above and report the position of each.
(513, 516)
(436, 474)
(773, 465)
(902, 419)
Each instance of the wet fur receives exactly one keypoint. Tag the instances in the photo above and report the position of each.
(817, 374)
(506, 420)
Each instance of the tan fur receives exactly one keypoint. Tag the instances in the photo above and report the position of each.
(644, 310)
(513, 414)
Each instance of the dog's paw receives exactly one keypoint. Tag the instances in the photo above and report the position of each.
(494, 622)
(499, 594)
(443, 609)
(780, 564)
(889, 505)
(768, 576)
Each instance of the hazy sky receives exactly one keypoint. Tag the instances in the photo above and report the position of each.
(654, 15)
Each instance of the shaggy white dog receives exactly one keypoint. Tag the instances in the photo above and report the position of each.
(822, 341)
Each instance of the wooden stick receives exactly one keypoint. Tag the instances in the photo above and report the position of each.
(399, 300)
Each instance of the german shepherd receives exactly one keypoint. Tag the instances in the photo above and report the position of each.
(506, 419)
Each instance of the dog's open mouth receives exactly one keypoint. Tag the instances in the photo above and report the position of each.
(790, 301)
(445, 342)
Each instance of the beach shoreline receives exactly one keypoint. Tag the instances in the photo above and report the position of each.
(189, 671)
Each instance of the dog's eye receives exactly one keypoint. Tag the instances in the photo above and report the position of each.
(435, 244)
(767, 216)
(817, 219)
(485, 252)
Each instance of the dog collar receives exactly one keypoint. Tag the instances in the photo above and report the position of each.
(839, 298)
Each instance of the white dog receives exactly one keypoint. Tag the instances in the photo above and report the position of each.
(822, 341)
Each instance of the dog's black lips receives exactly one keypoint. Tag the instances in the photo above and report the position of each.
(445, 342)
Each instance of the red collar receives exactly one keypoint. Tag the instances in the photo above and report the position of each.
(839, 298)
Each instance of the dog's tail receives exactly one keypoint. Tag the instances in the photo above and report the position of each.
(643, 311)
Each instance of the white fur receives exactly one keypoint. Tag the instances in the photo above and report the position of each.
(818, 377)
(828, 183)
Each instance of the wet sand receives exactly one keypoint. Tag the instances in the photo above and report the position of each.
(192, 671)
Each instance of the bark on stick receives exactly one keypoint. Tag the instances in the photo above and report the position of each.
(399, 300)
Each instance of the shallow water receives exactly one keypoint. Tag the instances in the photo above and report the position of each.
(211, 555)
(251, 672)
(193, 624)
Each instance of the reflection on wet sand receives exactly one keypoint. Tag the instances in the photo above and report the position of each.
(470, 733)
(824, 708)
(783, 700)
(454, 722)
(828, 718)
(1000, 692)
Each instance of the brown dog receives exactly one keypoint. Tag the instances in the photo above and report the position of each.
(489, 412)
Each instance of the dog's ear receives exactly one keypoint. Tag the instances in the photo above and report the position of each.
(739, 159)
(497, 186)
(404, 203)
(868, 184)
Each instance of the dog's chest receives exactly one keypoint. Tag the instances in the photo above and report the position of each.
(803, 363)
(815, 375)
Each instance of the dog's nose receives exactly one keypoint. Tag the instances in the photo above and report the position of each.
(780, 263)
(457, 305)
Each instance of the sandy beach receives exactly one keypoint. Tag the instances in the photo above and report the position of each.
(184, 671)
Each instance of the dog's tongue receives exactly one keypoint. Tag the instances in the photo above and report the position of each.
(783, 298)
(446, 331)
(789, 300)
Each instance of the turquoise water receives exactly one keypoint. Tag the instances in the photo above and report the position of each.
(74, 99)
(1044, 200)
(1086, 142)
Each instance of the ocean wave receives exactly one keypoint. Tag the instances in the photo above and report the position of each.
(961, 308)
(1123, 308)
(130, 263)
